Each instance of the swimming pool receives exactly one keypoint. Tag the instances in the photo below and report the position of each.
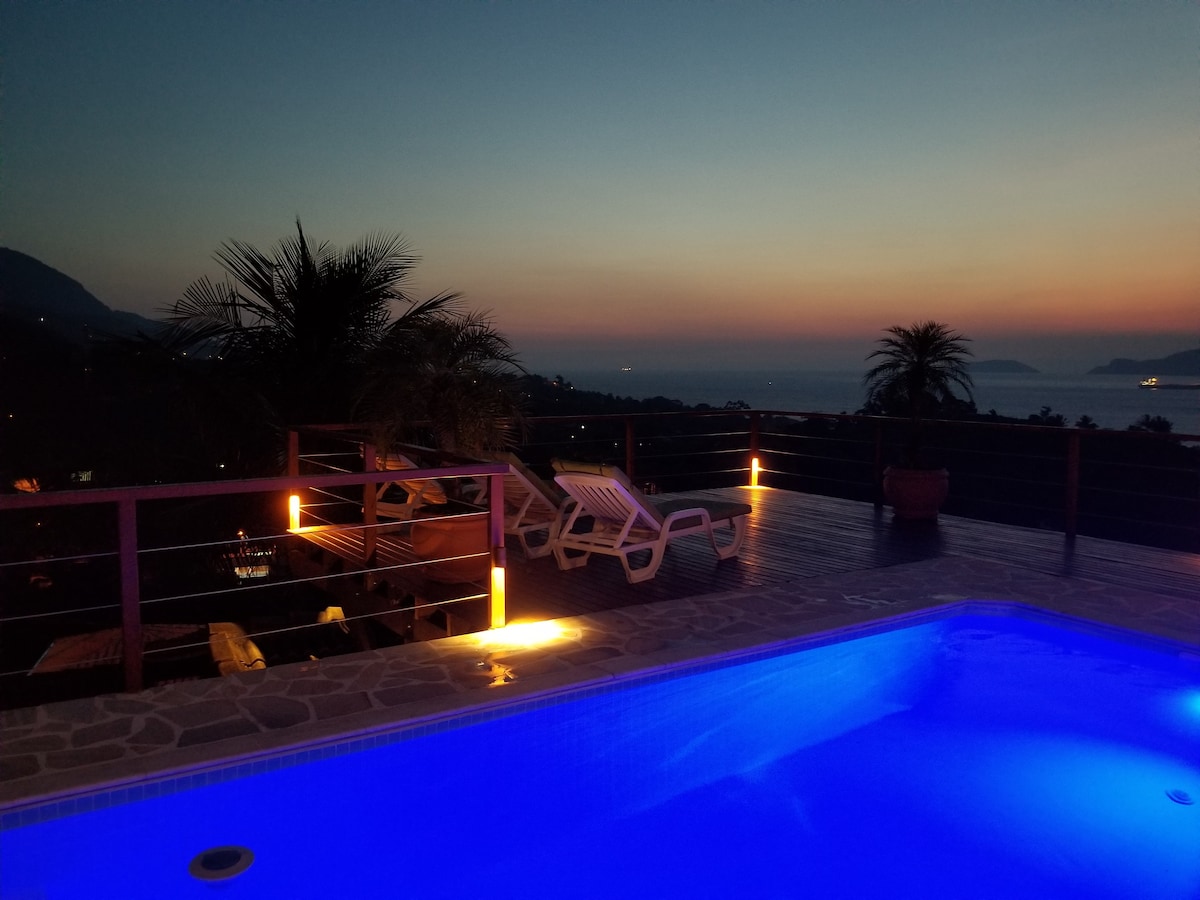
(977, 755)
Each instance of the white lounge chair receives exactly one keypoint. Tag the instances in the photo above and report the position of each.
(624, 521)
(531, 507)
(418, 492)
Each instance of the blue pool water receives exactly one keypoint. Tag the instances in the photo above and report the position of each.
(973, 756)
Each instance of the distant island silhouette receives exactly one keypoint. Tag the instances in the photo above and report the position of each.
(1186, 362)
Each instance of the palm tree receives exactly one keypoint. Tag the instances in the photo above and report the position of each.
(299, 322)
(918, 370)
(449, 380)
(1156, 424)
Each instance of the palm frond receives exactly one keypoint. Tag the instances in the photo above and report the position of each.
(926, 360)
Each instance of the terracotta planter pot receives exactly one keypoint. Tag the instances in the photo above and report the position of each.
(915, 493)
(439, 538)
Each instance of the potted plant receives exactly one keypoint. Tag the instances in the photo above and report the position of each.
(917, 370)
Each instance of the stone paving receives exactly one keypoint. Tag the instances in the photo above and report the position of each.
(66, 749)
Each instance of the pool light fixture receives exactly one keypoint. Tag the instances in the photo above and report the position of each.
(221, 863)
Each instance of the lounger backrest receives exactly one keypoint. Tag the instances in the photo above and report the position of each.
(429, 490)
(521, 482)
(607, 492)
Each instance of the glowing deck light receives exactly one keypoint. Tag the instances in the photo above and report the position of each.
(523, 634)
(754, 472)
(497, 603)
(294, 512)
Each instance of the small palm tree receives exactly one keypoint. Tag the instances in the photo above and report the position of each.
(1156, 424)
(449, 379)
(918, 370)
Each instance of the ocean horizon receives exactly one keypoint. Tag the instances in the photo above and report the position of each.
(1112, 401)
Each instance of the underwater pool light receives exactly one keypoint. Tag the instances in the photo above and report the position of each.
(1191, 702)
(1180, 796)
(220, 863)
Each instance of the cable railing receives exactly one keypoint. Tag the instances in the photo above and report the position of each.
(1138, 487)
(328, 572)
(164, 580)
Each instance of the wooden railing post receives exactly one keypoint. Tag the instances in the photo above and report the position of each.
(370, 514)
(131, 598)
(1071, 522)
(878, 465)
(293, 453)
(755, 420)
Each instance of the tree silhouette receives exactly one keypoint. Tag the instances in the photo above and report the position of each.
(918, 370)
(1046, 417)
(450, 380)
(1157, 424)
(299, 322)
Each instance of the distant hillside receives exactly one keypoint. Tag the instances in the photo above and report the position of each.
(34, 293)
(1187, 362)
(1002, 366)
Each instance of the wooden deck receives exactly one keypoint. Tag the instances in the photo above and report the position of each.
(794, 536)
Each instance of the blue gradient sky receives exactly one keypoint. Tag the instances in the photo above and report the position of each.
(652, 184)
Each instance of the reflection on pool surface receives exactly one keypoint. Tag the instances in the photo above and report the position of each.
(977, 755)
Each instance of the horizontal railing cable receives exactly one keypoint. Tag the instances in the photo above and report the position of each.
(25, 617)
(44, 560)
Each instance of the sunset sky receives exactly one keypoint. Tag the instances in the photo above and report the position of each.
(655, 184)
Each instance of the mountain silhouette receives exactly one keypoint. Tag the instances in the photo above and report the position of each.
(35, 294)
(1186, 362)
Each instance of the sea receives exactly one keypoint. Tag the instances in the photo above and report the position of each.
(1112, 401)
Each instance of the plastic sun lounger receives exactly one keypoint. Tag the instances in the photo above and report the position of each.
(625, 521)
(420, 492)
(531, 507)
